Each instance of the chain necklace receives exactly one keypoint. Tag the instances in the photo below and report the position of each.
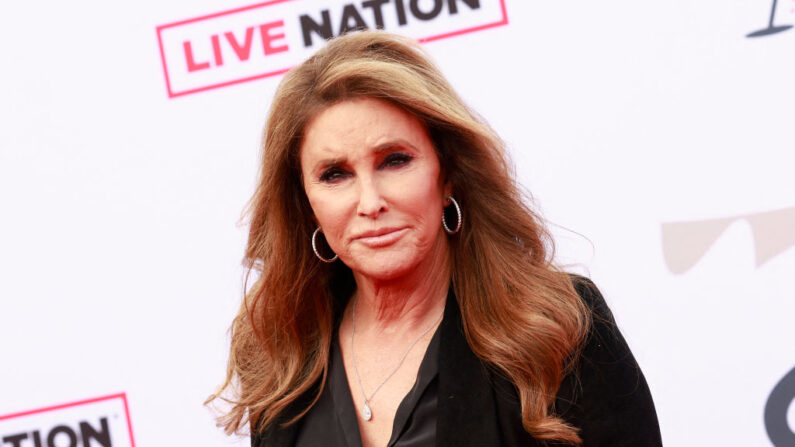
(367, 413)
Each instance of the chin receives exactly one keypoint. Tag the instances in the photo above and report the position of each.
(384, 268)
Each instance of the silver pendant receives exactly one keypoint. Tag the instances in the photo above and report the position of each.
(366, 413)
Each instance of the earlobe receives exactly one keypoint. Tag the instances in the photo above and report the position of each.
(448, 190)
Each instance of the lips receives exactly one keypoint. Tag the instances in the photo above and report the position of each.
(380, 237)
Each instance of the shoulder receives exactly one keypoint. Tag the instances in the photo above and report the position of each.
(592, 297)
(604, 342)
(606, 394)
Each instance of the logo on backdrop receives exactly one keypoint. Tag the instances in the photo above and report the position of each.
(267, 39)
(771, 28)
(685, 243)
(101, 421)
(782, 396)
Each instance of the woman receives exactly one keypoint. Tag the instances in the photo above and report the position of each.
(406, 294)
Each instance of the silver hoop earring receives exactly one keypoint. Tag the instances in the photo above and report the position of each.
(317, 253)
(458, 222)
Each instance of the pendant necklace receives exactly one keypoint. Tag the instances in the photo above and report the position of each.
(367, 413)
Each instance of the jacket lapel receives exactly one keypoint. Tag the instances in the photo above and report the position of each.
(477, 406)
(466, 407)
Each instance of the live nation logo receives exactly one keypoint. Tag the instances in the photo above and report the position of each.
(100, 421)
(269, 38)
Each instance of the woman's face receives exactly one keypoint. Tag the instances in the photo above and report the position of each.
(374, 182)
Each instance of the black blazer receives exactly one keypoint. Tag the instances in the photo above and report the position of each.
(605, 396)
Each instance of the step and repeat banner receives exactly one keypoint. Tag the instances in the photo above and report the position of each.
(656, 138)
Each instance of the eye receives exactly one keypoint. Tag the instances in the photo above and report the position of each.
(333, 174)
(396, 159)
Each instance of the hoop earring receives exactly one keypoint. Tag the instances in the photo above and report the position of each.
(458, 213)
(317, 253)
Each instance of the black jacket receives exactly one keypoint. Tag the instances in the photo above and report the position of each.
(605, 396)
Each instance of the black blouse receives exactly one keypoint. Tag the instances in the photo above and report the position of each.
(332, 422)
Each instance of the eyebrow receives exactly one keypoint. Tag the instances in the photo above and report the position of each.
(398, 142)
(390, 144)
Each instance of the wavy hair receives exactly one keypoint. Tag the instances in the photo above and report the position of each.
(521, 314)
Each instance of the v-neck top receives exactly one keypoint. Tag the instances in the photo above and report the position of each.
(333, 422)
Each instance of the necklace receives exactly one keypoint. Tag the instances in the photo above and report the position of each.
(367, 413)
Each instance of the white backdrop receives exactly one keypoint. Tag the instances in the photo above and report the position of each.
(656, 138)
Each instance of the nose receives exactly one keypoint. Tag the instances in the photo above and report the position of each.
(371, 202)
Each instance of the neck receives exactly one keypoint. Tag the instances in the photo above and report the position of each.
(410, 301)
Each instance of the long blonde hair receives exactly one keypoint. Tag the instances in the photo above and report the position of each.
(521, 314)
